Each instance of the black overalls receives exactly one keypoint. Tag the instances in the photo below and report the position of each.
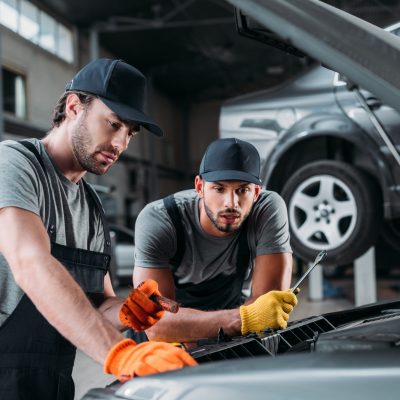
(36, 361)
(219, 293)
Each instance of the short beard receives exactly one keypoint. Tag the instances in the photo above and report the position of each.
(81, 142)
(228, 228)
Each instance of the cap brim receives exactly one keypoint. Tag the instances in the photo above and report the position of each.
(132, 114)
(230, 175)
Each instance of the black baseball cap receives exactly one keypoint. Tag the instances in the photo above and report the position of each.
(119, 86)
(231, 159)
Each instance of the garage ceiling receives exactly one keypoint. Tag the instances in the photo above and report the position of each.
(191, 48)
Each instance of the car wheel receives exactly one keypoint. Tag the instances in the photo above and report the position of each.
(333, 206)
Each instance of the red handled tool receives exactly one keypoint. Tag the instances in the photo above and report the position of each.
(165, 303)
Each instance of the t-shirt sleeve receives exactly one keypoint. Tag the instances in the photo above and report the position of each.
(155, 239)
(18, 181)
(271, 225)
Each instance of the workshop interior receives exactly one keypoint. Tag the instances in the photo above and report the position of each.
(313, 86)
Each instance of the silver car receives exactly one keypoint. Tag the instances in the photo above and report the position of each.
(123, 240)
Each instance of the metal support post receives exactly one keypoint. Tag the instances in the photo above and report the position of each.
(94, 43)
(316, 284)
(365, 278)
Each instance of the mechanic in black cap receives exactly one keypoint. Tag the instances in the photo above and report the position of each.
(201, 245)
(55, 245)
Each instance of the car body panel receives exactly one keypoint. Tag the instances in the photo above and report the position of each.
(312, 376)
(281, 106)
(335, 126)
(358, 357)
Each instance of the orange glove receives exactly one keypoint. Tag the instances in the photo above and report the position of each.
(128, 359)
(138, 311)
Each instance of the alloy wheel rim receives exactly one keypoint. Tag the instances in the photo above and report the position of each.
(322, 212)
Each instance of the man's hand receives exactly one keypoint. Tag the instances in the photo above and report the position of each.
(128, 359)
(271, 310)
(138, 311)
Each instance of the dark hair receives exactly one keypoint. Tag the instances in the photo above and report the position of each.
(59, 109)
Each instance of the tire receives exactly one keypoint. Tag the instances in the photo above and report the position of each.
(334, 206)
(390, 233)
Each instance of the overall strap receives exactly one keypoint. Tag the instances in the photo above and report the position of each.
(174, 214)
(52, 226)
(243, 256)
(31, 147)
(106, 228)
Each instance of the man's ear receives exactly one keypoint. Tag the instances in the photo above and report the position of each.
(72, 106)
(199, 186)
(257, 191)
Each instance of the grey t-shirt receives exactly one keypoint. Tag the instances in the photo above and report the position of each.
(23, 184)
(207, 256)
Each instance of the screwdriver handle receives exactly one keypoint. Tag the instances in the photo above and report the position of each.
(165, 303)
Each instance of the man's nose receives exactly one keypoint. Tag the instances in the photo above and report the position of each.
(120, 139)
(231, 199)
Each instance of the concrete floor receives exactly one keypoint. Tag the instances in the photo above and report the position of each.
(87, 374)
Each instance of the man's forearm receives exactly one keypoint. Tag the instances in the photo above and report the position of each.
(110, 310)
(189, 325)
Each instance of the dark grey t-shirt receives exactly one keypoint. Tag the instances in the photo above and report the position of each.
(23, 184)
(207, 256)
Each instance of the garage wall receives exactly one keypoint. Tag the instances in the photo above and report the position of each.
(46, 75)
(152, 167)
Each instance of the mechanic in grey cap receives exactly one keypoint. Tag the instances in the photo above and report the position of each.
(55, 245)
(200, 245)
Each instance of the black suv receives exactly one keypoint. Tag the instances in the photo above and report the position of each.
(323, 154)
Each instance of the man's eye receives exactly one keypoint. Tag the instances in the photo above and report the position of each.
(243, 190)
(114, 125)
(219, 189)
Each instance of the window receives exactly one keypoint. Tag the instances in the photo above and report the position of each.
(14, 93)
(47, 32)
(9, 14)
(29, 22)
(24, 18)
(65, 40)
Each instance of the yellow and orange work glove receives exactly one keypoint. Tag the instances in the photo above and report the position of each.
(127, 359)
(271, 310)
(138, 311)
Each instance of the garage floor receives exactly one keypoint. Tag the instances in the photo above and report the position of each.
(87, 374)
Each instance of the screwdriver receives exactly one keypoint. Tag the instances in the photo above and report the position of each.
(164, 302)
(320, 256)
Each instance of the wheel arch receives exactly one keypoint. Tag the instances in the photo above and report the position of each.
(305, 148)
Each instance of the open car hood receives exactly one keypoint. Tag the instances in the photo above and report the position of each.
(365, 53)
(346, 354)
